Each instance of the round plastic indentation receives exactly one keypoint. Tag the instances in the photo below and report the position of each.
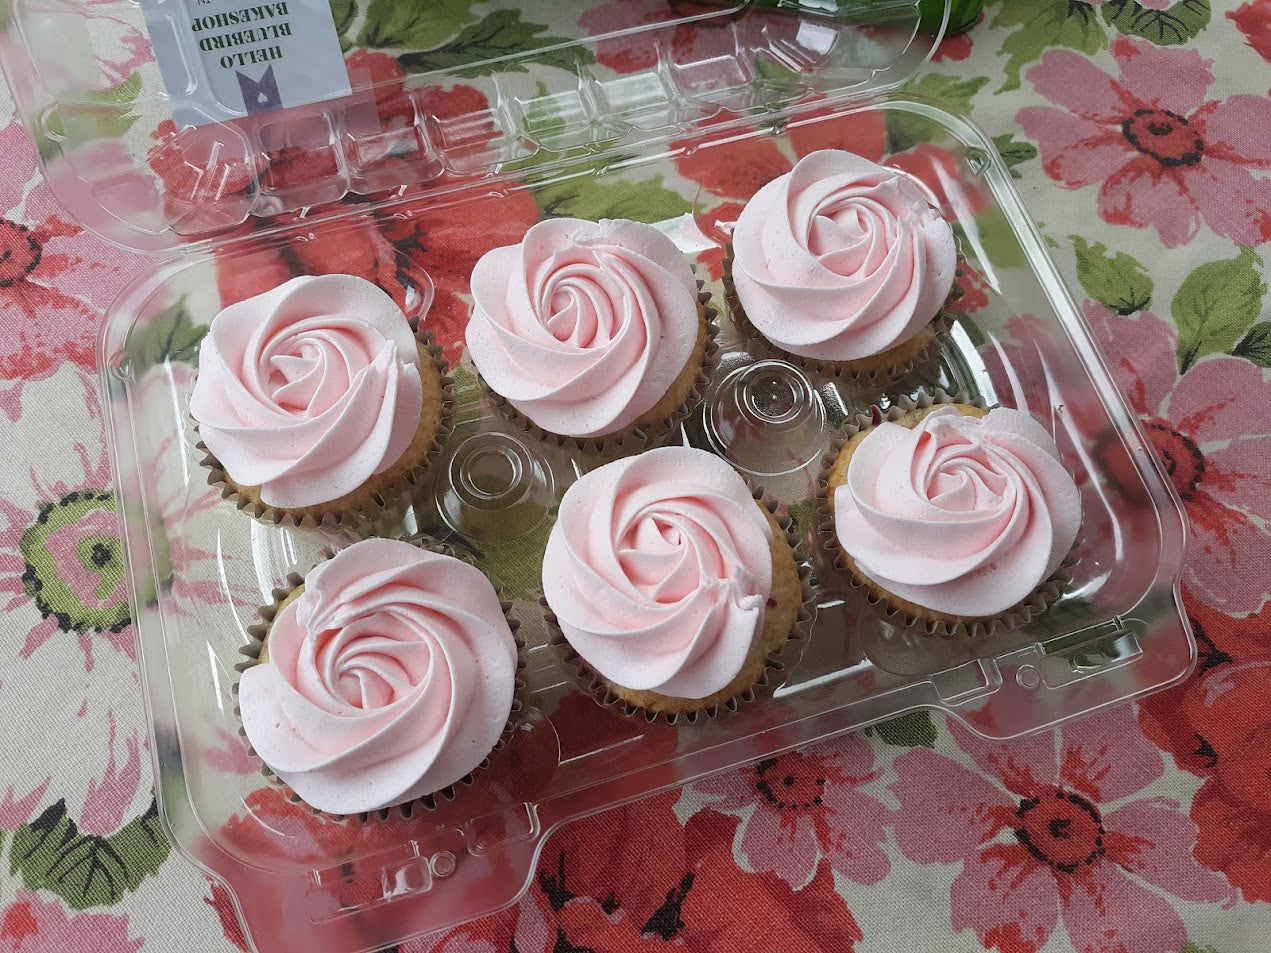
(497, 488)
(442, 864)
(1027, 677)
(767, 419)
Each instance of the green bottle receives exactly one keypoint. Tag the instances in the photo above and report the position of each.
(962, 15)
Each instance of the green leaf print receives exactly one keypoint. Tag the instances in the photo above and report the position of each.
(343, 12)
(171, 335)
(1014, 152)
(86, 870)
(906, 130)
(100, 115)
(1256, 345)
(500, 34)
(1216, 306)
(1044, 24)
(414, 24)
(1190, 947)
(915, 729)
(1172, 26)
(1117, 281)
(585, 196)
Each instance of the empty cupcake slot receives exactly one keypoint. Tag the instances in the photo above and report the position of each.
(497, 488)
(767, 418)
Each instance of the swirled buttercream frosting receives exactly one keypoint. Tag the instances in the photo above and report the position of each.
(389, 677)
(583, 326)
(658, 569)
(841, 259)
(961, 515)
(308, 390)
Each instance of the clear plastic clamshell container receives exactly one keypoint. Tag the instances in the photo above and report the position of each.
(242, 205)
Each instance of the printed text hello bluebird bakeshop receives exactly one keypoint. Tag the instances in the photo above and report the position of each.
(245, 58)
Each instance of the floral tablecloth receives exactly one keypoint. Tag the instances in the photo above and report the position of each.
(1140, 134)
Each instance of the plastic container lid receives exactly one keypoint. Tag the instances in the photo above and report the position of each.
(89, 88)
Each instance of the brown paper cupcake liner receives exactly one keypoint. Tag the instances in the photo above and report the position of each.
(258, 633)
(859, 377)
(356, 520)
(840, 576)
(591, 682)
(632, 438)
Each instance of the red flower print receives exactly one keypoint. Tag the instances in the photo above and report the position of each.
(731, 171)
(33, 925)
(803, 807)
(1228, 710)
(939, 170)
(1199, 426)
(1253, 19)
(1164, 155)
(665, 896)
(413, 250)
(446, 243)
(1053, 825)
(705, 40)
(55, 279)
(221, 901)
(956, 48)
(1216, 725)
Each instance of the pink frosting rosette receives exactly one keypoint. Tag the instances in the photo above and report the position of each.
(584, 326)
(309, 389)
(390, 677)
(841, 259)
(659, 569)
(961, 515)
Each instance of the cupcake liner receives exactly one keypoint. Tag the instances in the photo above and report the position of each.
(632, 438)
(860, 377)
(359, 519)
(842, 577)
(594, 685)
(258, 633)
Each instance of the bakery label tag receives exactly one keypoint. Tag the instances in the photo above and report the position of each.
(226, 59)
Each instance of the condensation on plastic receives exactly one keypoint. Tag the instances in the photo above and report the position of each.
(1117, 633)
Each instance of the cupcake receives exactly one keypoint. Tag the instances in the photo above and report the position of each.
(317, 402)
(386, 677)
(670, 582)
(843, 264)
(590, 331)
(952, 515)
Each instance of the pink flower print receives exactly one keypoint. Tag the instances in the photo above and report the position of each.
(16, 811)
(1164, 154)
(108, 800)
(805, 807)
(66, 557)
(55, 279)
(1199, 426)
(1054, 825)
(32, 925)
